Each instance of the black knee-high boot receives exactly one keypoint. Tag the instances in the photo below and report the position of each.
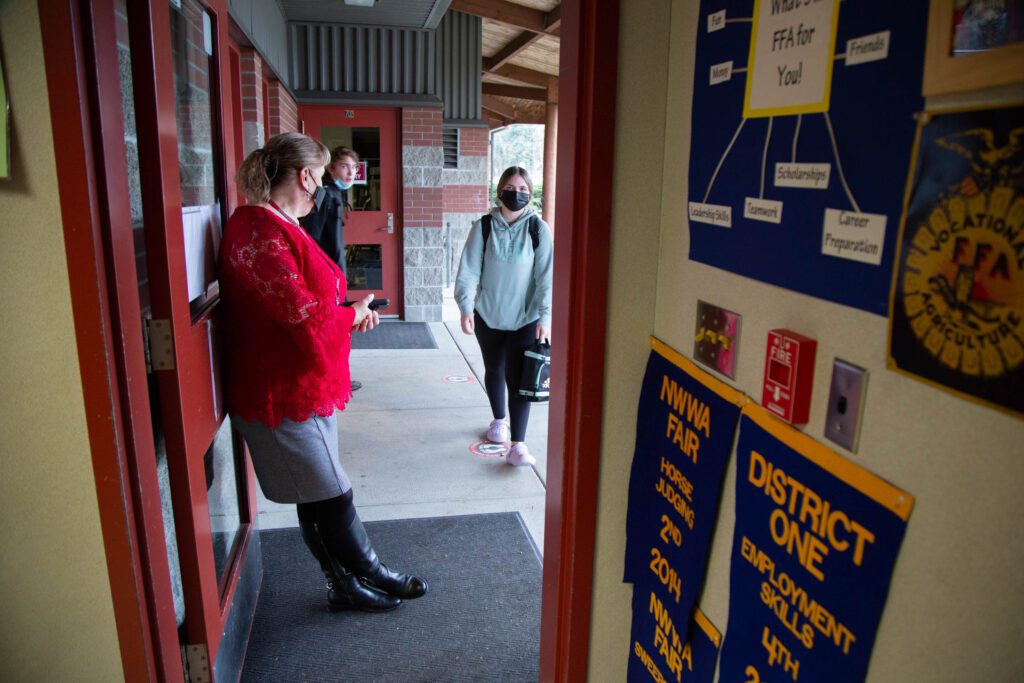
(352, 547)
(344, 590)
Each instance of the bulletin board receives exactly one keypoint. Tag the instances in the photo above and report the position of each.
(802, 129)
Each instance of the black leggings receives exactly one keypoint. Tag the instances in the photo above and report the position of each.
(503, 365)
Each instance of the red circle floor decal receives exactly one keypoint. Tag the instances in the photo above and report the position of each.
(489, 449)
(458, 379)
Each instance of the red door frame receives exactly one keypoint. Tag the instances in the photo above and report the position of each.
(110, 351)
(192, 412)
(586, 133)
(82, 79)
(586, 137)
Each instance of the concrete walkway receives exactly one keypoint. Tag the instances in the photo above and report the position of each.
(406, 435)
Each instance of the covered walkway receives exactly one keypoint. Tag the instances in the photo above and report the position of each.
(406, 437)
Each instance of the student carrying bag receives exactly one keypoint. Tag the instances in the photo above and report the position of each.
(535, 384)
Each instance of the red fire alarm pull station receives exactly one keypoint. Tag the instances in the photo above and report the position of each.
(789, 375)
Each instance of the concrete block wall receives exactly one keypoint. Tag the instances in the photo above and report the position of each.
(465, 192)
(422, 197)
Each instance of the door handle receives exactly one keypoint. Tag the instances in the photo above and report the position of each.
(390, 227)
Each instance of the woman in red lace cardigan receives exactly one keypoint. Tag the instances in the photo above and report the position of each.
(289, 337)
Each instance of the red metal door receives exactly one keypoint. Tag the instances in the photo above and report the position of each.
(182, 96)
(373, 244)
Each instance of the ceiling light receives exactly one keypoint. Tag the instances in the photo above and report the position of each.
(361, 3)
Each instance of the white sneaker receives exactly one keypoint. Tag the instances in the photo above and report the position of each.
(499, 432)
(519, 456)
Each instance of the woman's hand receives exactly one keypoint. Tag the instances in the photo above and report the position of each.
(467, 324)
(543, 332)
(365, 319)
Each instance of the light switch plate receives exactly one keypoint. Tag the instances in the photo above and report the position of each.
(846, 404)
(717, 338)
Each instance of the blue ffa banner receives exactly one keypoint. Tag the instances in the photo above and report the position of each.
(803, 125)
(657, 654)
(686, 422)
(814, 546)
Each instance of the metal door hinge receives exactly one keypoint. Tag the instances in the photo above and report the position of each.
(159, 343)
(197, 663)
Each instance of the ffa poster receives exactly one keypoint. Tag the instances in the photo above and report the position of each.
(957, 312)
(802, 112)
(686, 422)
(814, 547)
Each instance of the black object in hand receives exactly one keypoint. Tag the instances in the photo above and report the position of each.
(375, 305)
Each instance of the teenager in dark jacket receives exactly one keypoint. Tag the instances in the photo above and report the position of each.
(326, 225)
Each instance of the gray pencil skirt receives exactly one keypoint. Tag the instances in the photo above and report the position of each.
(296, 462)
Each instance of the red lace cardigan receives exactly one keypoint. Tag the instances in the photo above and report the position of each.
(288, 337)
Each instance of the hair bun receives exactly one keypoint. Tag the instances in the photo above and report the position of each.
(270, 163)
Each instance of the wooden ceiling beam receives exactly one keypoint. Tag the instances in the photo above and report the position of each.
(517, 45)
(553, 20)
(498, 107)
(516, 91)
(504, 12)
(521, 74)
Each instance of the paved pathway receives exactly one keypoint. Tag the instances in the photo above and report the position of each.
(406, 434)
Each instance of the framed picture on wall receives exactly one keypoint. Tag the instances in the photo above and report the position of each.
(973, 44)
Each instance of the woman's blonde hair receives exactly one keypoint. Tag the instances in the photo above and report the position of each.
(277, 162)
(511, 171)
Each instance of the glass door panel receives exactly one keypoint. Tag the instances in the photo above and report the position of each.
(198, 163)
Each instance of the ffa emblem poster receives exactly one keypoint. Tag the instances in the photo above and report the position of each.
(803, 112)
(814, 548)
(957, 311)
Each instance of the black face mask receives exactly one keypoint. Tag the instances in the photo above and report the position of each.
(514, 201)
(319, 195)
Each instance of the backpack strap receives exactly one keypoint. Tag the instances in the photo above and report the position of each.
(533, 226)
(485, 229)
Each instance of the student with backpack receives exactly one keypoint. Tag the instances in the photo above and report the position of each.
(503, 290)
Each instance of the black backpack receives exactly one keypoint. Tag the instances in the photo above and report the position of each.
(533, 226)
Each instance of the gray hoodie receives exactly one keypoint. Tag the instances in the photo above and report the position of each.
(509, 285)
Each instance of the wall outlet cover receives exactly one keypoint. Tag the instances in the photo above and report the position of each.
(846, 404)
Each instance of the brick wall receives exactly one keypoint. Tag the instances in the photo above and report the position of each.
(474, 142)
(465, 198)
(421, 127)
(465, 191)
(284, 113)
(253, 125)
(422, 211)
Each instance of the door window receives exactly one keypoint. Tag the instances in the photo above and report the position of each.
(365, 192)
(131, 150)
(221, 463)
(198, 163)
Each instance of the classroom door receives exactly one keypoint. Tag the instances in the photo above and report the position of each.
(373, 243)
(176, 127)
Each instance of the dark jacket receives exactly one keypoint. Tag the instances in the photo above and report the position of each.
(326, 226)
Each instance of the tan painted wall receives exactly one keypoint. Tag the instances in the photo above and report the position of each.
(954, 611)
(58, 620)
